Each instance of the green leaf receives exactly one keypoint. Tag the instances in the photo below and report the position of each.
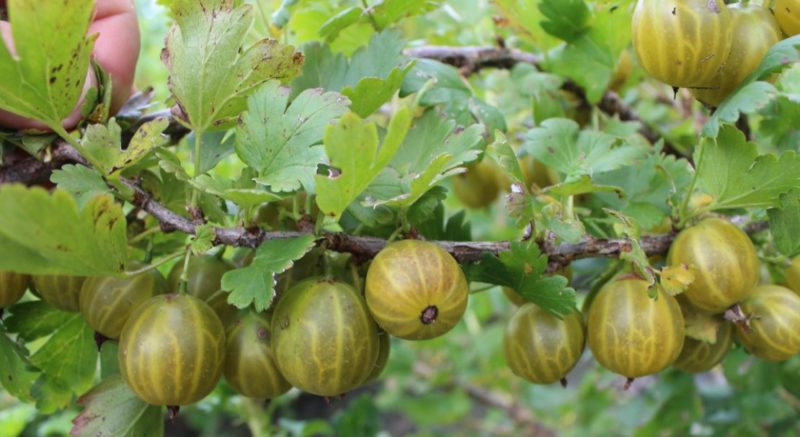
(778, 125)
(590, 57)
(103, 144)
(35, 319)
(370, 78)
(751, 95)
(356, 161)
(81, 182)
(16, 373)
(211, 73)
(444, 85)
(502, 153)
(46, 233)
(732, 172)
(523, 269)
(387, 12)
(242, 192)
(44, 80)
(112, 409)
(565, 19)
(372, 92)
(255, 284)
(282, 143)
(561, 144)
(203, 239)
(330, 29)
(524, 17)
(784, 223)
(651, 186)
(214, 147)
(433, 150)
(68, 360)
(748, 100)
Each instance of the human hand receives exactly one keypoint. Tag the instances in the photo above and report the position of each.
(116, 50)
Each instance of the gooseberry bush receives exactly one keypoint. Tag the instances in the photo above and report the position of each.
(432, 214)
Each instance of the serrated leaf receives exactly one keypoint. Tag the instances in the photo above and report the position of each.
(103, 144)
(352, 146)
(68, 360)
(732, 172)
(112, 409)
(444, 85)
(243, 192)
(46, 233)
(45, 79)
(651, 186)
(211, 73)
(434, 149)
(282, 143)
(590, 56)
(330, 29)
(675, 279)
(80, 181)
(387, 12)
(214, 147)
(561, 144)
(203, 239)
(502, 153)
(255, 284)
(370, 77)
(371, 92)
(523, 268)
(565, 19)
(784, 223)
(35, 319)
(582, 185)
(16, 373)
(751, 95)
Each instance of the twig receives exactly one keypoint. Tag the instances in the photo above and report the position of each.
(365, 247)
(471, 59)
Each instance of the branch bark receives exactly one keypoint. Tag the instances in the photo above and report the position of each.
(471, 59)
(364, 247)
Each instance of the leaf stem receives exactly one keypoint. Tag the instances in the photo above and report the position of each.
(198, 134)
(183, 288)
(371, 18)
(155, 265)
(75, 143)
(683, 212)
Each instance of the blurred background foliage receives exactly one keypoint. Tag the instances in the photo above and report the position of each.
(458, 384)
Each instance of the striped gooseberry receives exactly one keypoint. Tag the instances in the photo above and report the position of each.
(725, 264)
(204, 281)
(756, 32)
(171, 350)
(787, 12)
(250, 366)
(61, 291)
(323, 338)
(415, 290)
(682, 42)
(631, 333)
(540, 347)
(12, 287)
(106, 303)
(773, 329)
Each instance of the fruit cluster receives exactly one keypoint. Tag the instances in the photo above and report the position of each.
(707, 46)
(327, 337)
(634, 331)
(323, 336)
